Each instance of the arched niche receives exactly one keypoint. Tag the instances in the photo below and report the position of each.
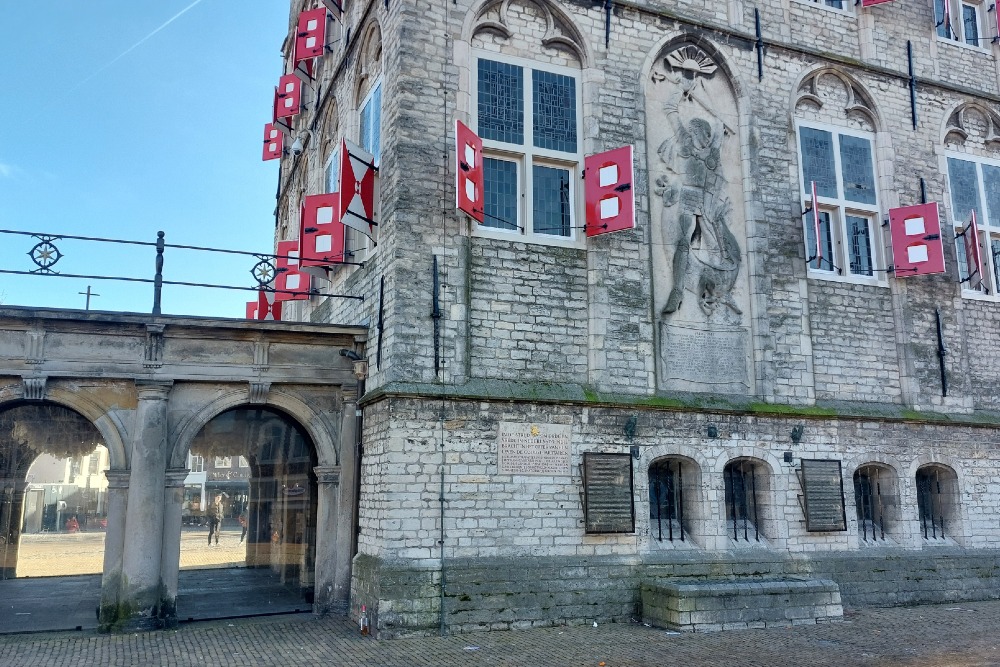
(698, 221)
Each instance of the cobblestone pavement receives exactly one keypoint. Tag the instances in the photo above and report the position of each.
(959, 635)
(58, 554)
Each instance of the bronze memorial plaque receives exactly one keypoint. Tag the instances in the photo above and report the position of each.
(823, 492)
(607, 493)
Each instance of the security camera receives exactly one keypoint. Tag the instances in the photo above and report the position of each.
(297, 147)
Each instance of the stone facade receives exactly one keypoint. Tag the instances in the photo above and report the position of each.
(711, 342)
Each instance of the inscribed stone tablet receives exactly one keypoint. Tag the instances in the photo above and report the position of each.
(608, 505)
(533, 449)
(823, 491)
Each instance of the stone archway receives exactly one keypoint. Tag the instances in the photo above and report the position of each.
(52, 491)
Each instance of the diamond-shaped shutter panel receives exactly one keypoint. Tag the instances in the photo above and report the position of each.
(290, 282)
(310, 38)
(273, 142)
(263, 308)
(468, 171)
(917, 246)
(289, 97)
(321, 239)
(607, 185)
(357, 188)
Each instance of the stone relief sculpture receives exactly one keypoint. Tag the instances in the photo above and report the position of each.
(698, 231)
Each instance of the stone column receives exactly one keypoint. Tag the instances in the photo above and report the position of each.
(114, 542)
(11, 509)
(328, 488)
(173, 507)
(348, 501)
(140, 596)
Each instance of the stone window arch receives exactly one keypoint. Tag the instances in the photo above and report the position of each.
(876, 500)
(972, 161)
(747, 483)
(525, 86)
(937, 502)
(674, 510)
(836, 124)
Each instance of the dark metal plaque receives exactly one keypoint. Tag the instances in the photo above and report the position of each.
(608, 505)
(823, 491)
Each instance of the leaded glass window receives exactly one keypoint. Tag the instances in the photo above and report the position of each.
(842, 166)
(554, 111)
(991, 183)
(995, 256)
(964, 188)
(551, 201)
(970, 24)
(818, 162)
(371, 123)
(529, 121)
(941, 20)
(859, 245)
(500, 196)
(824, 263)
(501, 102)
(856, 169)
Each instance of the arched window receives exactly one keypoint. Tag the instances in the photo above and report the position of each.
(671, 496)
(835, 129)
(974, 185)
(937, 506)
(875, 501)
(746, 484)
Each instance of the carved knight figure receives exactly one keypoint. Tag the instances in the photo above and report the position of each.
(695, 209)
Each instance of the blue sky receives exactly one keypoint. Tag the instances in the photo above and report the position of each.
(167, 137)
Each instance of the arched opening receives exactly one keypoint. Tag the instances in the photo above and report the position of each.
(937, 502)
(53, 507)
(250, 502)
(875, 498)
(747, 487)
(673, 501)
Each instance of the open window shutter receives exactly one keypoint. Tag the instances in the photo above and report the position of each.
(608, 192)
(972, 257)
(283, 124)
(917, 246)
(468, 171)
(310, 38)
(321, 239)
(290, 282)
(289, 97)
(357, 188)
(264, 308)
(273, 142)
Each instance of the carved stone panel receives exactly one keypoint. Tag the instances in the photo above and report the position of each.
(701, 290)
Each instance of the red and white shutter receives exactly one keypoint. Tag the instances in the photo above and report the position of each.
(288, 101)
(274, 141)
(310, 38)
(607, 186)
(869, 3)
(283, 124)
(321, 238)
(468, 171)
(973, 260)
(917, 246)
(264, 308)
(357, 188)
(290, 283)
(816, 226)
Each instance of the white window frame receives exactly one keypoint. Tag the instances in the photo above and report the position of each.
(355, 242)
(839, 208)
(957, 37)
(223, 462)
(527, 155)
(847, 9)
(987, 232)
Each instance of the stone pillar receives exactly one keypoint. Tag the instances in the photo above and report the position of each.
(328, 489)
(114, 542)
(11, 511)
(140, 596)
(348, 501)
(173, 507)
